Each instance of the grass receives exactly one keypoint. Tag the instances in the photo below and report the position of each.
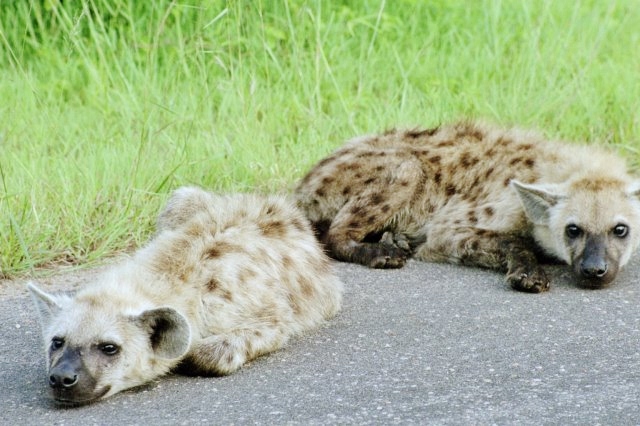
(107, 105)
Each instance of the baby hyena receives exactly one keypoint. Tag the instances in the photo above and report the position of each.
(226, 279)
(476, 195)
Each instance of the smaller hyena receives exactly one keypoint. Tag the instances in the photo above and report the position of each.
(225, 280)
(475, 195)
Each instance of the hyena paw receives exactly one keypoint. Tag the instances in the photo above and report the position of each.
(530, 280)
(390, 252)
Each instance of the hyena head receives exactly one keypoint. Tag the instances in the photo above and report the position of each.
(592, 224)
(94, 349)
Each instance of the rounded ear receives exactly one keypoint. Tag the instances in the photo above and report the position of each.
(182, 205)
(169, 332)
(634, 189)
(536, 200)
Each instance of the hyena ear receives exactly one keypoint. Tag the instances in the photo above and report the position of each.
(168, 330)
(634, 189)
(182, 205)
(48, 305)
(536, 200)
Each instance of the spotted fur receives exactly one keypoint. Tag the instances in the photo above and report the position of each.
(225, 280)
(474, 194)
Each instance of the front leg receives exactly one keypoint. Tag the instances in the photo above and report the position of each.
(512, 253)
(523, 271)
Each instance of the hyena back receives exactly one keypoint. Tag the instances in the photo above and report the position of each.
(477, 195)
(225, 279)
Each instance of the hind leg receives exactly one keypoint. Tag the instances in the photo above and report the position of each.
(369, 213)
(223, 354)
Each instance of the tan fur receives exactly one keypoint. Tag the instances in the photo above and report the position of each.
(474, 194)
(226, 279)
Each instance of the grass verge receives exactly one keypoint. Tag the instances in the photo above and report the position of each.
(107, 105)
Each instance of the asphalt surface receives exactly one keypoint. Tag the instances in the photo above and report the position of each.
(427, 344)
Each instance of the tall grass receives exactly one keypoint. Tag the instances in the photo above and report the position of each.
(107, 105)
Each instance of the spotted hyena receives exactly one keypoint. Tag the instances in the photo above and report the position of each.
(225, 280)
(476, 195)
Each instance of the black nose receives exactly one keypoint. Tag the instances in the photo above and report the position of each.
(594, 271)
(59, 381)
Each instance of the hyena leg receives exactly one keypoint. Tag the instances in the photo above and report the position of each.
(223, 354)
(368, 213)
(477, 247)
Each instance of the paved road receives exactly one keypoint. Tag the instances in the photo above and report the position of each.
(428, 344)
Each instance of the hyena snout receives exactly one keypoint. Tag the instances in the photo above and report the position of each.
(70, 382)
(596, 267)
(63, 377)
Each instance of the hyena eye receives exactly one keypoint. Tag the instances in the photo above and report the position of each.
(56, 343)
(621, 231)
(573, 231)
(109, 349)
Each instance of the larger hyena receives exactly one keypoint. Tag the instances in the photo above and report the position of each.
(476, 195)
(226, 279)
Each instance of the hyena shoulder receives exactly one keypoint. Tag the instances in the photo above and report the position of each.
(225, 279)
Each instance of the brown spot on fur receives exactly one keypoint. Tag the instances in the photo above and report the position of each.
(327, 180)
(600, 184)
(468, 161)
(515, 161)
(437, 178)
(435, 159)
(247, 274)
(213, 284)
(356, 210)
(377, 198)
(506, 181)
(471, 216)
(502, 141)
(346, 190)
(274, 229)
(287, 262)
(227, 295)
(445, 144)
(295, 306)
(220, 249)
(489, 172)
(416, 133)
(529, 162)
(320, 192)
(306, 286)
(489, 211)
(450, 190)
(354, 224)
(385, 208)
(371, 220)
(464, 160)
(299, 224)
